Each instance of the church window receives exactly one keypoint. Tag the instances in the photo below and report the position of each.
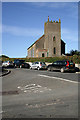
(54, 50)
(31, 52)
(42, 54)
(47, 54)
(54, 38)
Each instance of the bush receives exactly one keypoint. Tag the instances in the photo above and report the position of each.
(75, 58)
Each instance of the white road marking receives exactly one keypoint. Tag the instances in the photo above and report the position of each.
(58, 78)
(33, 88)
(1, 112)
(18, 87)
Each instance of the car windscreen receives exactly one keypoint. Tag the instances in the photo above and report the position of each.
(21, 61)
(43, 63)
(71, 63)
(55, 63)
(36, 62)
(10, 62)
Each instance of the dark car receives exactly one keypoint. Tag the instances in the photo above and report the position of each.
(21, 63)
(63, 66)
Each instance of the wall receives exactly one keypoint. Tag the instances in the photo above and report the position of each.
(32, 51)
(40, 43)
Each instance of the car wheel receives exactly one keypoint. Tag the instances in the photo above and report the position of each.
(30, 68)
(38, 68)
(62, 70)
(76, 69)
(20, 66)
(26, 66)
(15, 66)
(49, 68)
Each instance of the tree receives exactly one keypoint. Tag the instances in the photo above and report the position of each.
(74, 52)
(4, 56)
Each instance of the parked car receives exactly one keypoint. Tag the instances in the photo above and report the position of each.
(7, 64)
(1, 63)
(63, 66)
(38, 65)
(21, 63)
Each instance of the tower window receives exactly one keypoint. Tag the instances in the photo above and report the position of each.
(42, 54)
(54, 38)
(31, 52)
(54, 50)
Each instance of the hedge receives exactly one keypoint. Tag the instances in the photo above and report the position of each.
(75, 58)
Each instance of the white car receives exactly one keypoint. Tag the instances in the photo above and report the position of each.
(38, 65)
(7, 64)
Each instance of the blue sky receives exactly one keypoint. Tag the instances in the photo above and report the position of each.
(23, 24)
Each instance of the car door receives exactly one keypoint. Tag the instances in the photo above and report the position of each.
(55, 65)
(17, 63)
(36, 65)
(33, 65)
(60, 65)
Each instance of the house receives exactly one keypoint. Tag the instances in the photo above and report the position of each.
(50, 43)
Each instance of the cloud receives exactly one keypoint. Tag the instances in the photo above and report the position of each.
(70, 7)
(18, 31)
(66, 34)
(50, 4)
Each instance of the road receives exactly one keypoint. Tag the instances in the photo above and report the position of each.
(39, 94)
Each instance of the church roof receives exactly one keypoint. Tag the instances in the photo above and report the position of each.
(36, 41)
(39, 39)
(63, 41)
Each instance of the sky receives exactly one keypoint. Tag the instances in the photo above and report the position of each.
(23, 24)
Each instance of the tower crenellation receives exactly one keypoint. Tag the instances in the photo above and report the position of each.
(53, 21)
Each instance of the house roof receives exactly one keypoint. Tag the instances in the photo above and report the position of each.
(36, 41)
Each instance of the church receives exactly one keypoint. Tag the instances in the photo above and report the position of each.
(50, 43)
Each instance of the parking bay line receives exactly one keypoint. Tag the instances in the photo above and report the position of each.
(58, 78)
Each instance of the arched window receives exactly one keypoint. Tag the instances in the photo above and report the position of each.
(54, 50)
(54, 38)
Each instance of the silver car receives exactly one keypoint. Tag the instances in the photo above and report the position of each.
(7, 64)
(38, 65)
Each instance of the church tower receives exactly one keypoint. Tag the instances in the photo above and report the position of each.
(52, 42)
